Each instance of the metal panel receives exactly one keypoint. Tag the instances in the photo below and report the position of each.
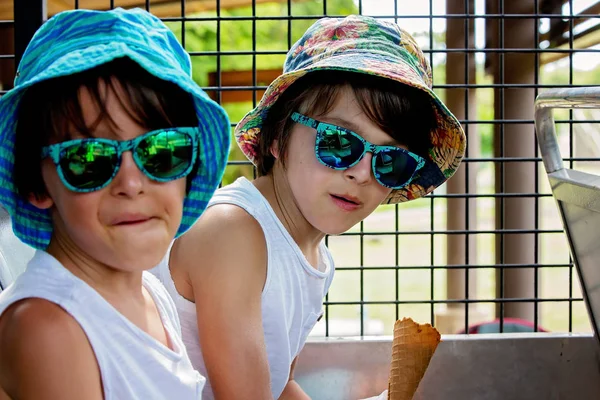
(482, 367)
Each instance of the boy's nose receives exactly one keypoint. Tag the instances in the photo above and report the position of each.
(130, 180)
(361, 173)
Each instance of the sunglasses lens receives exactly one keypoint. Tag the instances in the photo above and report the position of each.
(394, 168)
(88, 165)
(339, 149)
(166, 155)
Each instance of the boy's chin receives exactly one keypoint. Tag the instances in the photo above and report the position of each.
(135, 257)
(139, 262)
(336, 230)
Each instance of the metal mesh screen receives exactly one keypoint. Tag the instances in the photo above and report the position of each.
(488, 247)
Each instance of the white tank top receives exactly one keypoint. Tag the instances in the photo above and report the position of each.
(133, 365)
(292, 298)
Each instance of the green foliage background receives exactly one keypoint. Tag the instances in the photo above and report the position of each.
(238, 36)
(272, 36)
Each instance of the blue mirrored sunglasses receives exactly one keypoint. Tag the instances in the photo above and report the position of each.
(86, 165)
(339, 148)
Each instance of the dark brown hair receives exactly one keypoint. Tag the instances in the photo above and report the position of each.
(403, 112)
(50, 110)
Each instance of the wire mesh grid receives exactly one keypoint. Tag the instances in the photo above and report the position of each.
(419, 259)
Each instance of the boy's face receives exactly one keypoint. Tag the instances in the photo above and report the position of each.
(129, 224)
(333, 201)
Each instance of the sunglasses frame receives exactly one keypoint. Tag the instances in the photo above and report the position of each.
(55, 151)
(368, 147)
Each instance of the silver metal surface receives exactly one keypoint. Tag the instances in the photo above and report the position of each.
(585, 97)
(484, 367)
(577, 193)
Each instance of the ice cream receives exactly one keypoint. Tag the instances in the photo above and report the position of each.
(412, 349)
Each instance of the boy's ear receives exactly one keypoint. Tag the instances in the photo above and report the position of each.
(275, 149)
(43, 202)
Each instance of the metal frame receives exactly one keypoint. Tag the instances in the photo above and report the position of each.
(483, 367)
(577, 193)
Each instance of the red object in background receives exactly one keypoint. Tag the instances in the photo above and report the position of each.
(510, 325)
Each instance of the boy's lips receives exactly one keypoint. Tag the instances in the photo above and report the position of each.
(346, 202)
(348, 198)
(130, 219)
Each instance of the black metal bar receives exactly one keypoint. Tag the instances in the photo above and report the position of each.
(501, 217)
(254, 80)
(425, 51)
(29, 16)
(218, 45)
(361, 235)
(183, 20)
(397, 259)
(570, 153)
(438, 86)
(457, 232)
(454, 266)
(289, 23)
(536, 178)
(387, 16)
(471, 301)
(432, 202)
(466, 28)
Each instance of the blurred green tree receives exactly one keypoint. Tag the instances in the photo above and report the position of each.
(246, 36)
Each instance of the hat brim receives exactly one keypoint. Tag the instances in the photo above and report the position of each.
(448, 139)
(33, 226)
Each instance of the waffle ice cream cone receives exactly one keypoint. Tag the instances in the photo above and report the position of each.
(412, 349)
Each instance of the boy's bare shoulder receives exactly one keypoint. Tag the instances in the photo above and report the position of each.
(224, 235)
(35, 318)
(38, 326)
(226, 216)
(40, 342)
(225, 222)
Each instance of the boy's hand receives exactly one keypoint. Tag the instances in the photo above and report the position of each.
(382, 396)
(292, 390)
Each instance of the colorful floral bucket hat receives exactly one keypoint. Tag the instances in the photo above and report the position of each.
(75, 41)
(366, 45)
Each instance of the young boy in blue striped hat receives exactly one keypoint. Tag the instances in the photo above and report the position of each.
(108, 151)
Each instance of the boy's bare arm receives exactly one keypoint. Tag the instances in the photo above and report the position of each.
(226, 259)
(44, 354)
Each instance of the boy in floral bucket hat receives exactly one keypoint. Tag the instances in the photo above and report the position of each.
(351, 123)
(108, 151)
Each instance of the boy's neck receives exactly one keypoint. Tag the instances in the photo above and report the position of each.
(123, 290)
(276, 190)
(110, 283)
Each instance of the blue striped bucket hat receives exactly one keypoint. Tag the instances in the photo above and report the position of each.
(78, 40)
